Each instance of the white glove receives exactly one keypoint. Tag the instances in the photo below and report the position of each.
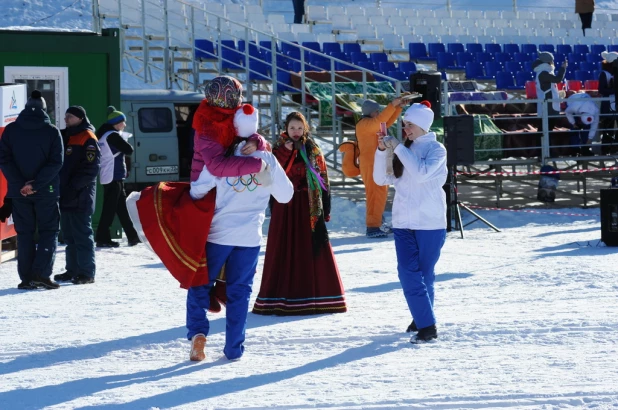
(264, 166)
(264, 177)
(390, 142)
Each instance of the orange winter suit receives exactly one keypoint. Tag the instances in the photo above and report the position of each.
(367, 136)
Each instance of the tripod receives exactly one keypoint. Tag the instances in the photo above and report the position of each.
(456, 206)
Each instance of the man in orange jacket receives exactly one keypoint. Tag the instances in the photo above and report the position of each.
(367, 136)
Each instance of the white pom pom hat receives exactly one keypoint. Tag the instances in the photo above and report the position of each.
(246, 121)
(420, 114)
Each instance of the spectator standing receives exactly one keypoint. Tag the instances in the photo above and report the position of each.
(546, 84)
(419, 212)
(300, 276)
(112, 175)
(31, 157)
(585, 9)
(78, 180)
(299, 11)
(607, 89)
(367, 136)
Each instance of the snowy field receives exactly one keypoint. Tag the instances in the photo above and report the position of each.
(527, 319)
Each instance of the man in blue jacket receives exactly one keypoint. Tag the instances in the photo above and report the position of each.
(31, 156)
(78, 180)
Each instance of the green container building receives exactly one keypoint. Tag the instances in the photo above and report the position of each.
(70, 68)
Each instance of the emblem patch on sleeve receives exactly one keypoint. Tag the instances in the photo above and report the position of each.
(91, 153)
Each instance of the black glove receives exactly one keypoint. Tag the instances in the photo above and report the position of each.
(6, 210)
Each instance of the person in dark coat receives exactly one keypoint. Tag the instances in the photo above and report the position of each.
(608, 107)
(112, 175)
(585, 9)
(78, 184)
(31, 156)
(546, 84)
(299, 11)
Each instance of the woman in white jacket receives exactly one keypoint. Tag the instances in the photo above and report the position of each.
(419, 211)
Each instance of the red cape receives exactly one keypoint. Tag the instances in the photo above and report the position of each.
(177, 229)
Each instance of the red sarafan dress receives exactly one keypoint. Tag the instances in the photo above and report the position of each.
(300, 272)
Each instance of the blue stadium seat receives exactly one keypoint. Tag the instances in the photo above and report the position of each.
(463, 58)
(446, 61)
(474, 48)
(401, 76)
(529, 49)
(581, 48)
(492, 68)
(418, 51)
(407, 67)
(358, 57)
(204, 50)
(284, 82)
(483, 57)
(521, 77)
(576, 57)
(564, 48)
(434, 48)
(339, 56)
(492, 48)
(510, 48)
(330, 47)
(258, 70)
(344, 67)
(587, 66)
(547, 47)
(455, 48)
(367, 65)
(321, 64)
(503, 57)
(378, 57)
(582, 75)
(253, 48)
(291, 50)
(612, 47)
(594, 57)
(313, 45)
(474, 71)
(232, 60)
(513, 66)
(266, 45)
(522, 57)
(351, 48)
(597, 49)
(386, 66)
(505, 81)
(528, 66)
(559, 58)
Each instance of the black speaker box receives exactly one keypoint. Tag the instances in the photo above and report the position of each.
(609, 217)
(459, 139)
(429, 85)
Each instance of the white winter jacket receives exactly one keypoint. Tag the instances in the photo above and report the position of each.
(581, 104)
(241, 203)
(420, 201)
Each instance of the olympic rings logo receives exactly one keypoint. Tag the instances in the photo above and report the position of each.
(240, 184)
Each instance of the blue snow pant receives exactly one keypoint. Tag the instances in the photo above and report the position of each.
(418, 252)
(77, 234)
(30, 214)
(240, 265)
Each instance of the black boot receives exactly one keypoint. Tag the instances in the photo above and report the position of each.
(425, 334)
(412, 327)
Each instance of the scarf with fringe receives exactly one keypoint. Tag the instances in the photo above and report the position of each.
(317, 180)
(215, 123)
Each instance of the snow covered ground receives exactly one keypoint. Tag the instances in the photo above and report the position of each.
(528, 319)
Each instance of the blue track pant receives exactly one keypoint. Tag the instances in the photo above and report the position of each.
(240, 265)
(417, 254)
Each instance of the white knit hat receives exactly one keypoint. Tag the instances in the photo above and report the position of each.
(420, 114)
(609, 56)
(246, 121)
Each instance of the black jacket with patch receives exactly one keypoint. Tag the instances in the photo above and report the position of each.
(78, 177)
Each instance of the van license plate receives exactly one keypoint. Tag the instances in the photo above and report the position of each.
(168, 169)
